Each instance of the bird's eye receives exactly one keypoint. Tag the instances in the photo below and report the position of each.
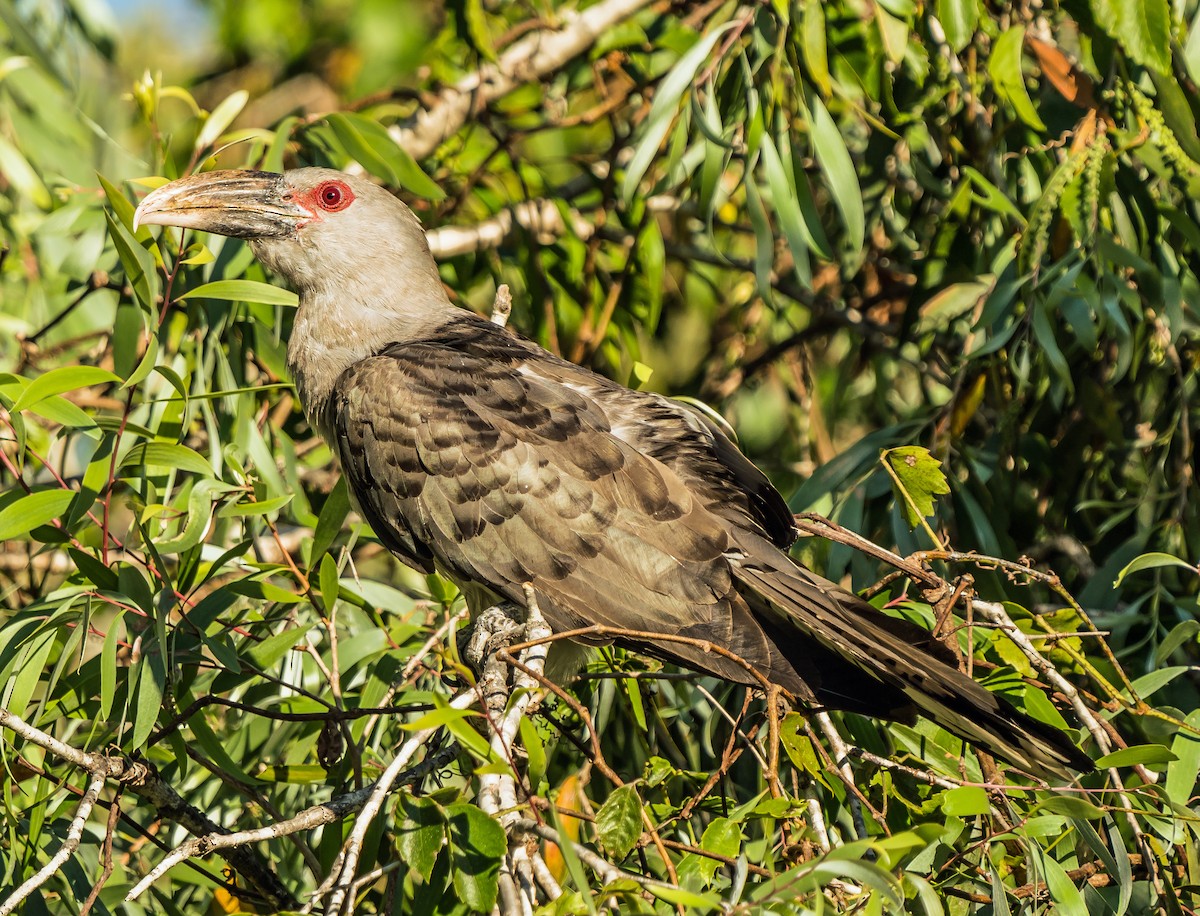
(334, 195)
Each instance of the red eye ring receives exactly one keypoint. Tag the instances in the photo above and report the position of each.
(332, 196)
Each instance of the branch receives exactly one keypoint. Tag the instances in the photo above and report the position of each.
(308, 819)
(995, 614)
(341, 875)
(534, 56)
(70, 844)
(143, 781)
(540, 217)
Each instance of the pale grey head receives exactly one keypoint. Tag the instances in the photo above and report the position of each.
(354, 253)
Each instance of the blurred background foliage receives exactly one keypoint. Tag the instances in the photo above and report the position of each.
(845, 226)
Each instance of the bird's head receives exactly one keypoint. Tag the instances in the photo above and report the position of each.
(356, 255)
(319, 229)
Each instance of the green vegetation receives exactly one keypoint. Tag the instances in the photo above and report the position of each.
(873, 234)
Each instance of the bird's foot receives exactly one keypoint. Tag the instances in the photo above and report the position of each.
(493, 629)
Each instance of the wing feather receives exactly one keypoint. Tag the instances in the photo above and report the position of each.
(483, 456)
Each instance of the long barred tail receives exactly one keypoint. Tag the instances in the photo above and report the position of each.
(881, 666)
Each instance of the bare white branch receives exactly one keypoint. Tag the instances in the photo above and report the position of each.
(541, 218)
(996, 615)
(534, 56)
(70, 844)
(502, 307)
(342, 874)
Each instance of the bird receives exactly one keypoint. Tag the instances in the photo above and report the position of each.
(474, 452)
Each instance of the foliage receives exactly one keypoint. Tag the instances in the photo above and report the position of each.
(961, 233)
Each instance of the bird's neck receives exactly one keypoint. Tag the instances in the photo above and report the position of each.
(337, 328)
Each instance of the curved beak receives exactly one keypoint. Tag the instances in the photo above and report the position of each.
(238, 203)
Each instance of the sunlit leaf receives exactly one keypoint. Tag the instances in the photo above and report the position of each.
(918, 481)
(1142, 27)
(666, 102)
(221, 117)
(242, 291)
(619, 821)
(39, 508)
(1005, 69)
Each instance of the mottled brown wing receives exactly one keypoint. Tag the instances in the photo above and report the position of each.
(481, 452)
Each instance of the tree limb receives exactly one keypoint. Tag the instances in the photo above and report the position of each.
(532, 57)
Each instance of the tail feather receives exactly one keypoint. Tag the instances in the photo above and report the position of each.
(895, 662)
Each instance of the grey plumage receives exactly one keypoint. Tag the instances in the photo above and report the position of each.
(476, 452)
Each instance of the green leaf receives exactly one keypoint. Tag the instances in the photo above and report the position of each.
(197, 518)
(799, 746)
(1071, 806)
(965, 801)
(329, 522)
(1183, 632)
(678, 896)
(786, 206)
(477, 845)
(145, 364)
(38, 508)
(126, 337)
(56, 381)
(1181, 775)
(634, 693)
(220, 118)
(619, 821)
(1143, 754)
(658, 770)
(1151, 683)
(1005, 69)
(1068, 901)
(834, 160)
(814, 43)
(137, 263)
(1038, 706)
(958, 19)
(124, 209)
(722, 837)
(420, 832)
(893, 33)
(150, 683)
(949, 303)
(28, 673)
(256, 509)
(369, 143)
(300, 774)
(167, 456)
(1151, 561)
(472, 26)
(242, 291)
(664, 107)
(217, 752)
(329, 582)
(108, 665)
(918, 479)
(652, 259)
(1043, 333)
(535, 749)
(1143, 27)
(990, 197)
(267, 652)
(437, 718)
(21, 175)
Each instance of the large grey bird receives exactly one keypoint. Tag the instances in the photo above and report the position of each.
(475, 452)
